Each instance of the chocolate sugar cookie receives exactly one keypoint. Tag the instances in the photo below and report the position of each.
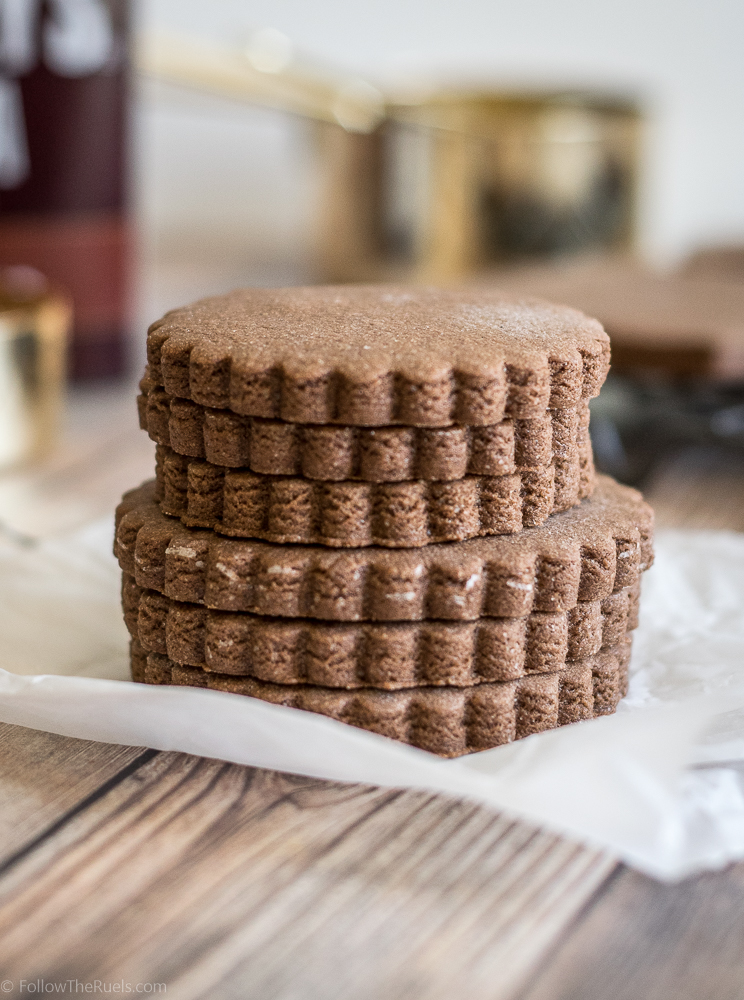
(370, 454)
(291, 509)
(446, 721)
(380, 654)
(584, 554)
(377, 355)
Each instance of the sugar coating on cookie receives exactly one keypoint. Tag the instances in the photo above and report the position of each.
(369, 355)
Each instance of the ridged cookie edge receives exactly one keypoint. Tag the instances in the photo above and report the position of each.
(449, 722)
(245, 352)
(586, 554)
(378, 655)
(369, 454)
(352, 514)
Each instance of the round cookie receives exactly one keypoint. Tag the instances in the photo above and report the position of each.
(331, 452)
(380, 654)
(446, 721)
(584, 554)
(348, 514)
(369, 355)
(369, 454)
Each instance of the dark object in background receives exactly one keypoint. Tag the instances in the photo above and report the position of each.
(63, 95)
(641, 423)
(453, 182)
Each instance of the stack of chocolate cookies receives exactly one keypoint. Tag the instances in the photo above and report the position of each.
(379, 504)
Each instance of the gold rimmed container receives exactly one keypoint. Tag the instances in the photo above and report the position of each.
(452, 183)
(439, 185)
(34, 328)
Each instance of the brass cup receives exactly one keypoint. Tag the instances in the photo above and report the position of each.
(34, 326)
(453, 183)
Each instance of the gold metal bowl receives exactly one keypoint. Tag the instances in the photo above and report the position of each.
(454, 183)
(34, 326)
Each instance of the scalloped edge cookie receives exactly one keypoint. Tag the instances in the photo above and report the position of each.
(351, 514)
(374, 654)
(367, 355)
(584, 554)
(449, 722)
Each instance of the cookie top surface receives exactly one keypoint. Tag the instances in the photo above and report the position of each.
(418, 355)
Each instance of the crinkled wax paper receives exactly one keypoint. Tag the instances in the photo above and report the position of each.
(657, 785)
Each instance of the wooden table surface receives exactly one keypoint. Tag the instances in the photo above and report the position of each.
(132, 870)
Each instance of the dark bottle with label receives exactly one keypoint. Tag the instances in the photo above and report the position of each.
(63, 100)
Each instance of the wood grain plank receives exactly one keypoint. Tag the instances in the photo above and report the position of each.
(43, 777)
(208, 876)
(645, 939)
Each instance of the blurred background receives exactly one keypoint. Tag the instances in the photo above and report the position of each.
(157, 151)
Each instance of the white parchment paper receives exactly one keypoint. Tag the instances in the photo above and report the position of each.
(658, 784)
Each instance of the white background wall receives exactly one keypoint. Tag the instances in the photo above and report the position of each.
(237, 182)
